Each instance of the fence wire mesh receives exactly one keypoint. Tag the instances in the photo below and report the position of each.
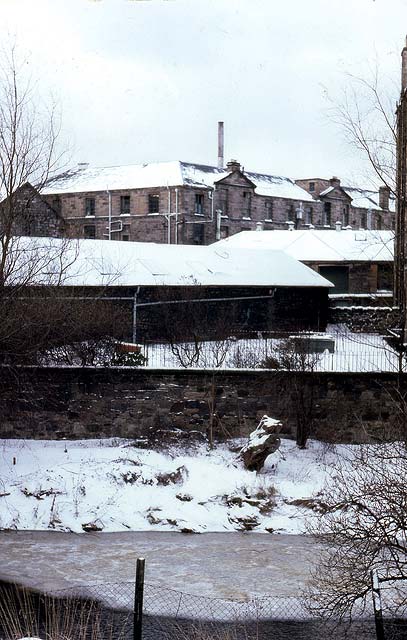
(105, 611)
(337, 350)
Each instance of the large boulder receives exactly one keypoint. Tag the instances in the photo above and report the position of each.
(262, 442)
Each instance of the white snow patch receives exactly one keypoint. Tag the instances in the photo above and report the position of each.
(62, 485)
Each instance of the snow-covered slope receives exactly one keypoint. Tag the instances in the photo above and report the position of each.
(111, 485)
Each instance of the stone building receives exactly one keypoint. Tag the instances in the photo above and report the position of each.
(29, 214)
(355, 261)
(185, 203)
(351, 206)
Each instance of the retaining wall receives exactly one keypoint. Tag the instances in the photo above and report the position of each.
(98, 403)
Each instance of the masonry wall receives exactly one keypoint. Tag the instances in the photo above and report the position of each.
(131, 403)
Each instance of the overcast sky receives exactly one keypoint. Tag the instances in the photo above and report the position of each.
(148, 80)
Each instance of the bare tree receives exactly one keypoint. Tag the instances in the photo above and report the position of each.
(36, 314)
(363, 527)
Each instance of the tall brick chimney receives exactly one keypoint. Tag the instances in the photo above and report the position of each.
(404, 68)
(384, 196)
(221, 147)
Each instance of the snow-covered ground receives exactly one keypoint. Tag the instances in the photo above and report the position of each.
(358, 352)
(111, 485)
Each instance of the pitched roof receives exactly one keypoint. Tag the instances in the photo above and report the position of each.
(163, 174)
(115, 263)
(312, 245)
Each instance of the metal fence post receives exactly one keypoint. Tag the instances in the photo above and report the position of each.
(138, 600)
(377, 605)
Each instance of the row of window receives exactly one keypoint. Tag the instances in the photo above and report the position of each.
(153, 205)
(296, 214)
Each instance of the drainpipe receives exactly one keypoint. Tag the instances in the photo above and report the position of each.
(109, 228)
(176, 215)
(168, 216)
(218, 221)
(135, 315)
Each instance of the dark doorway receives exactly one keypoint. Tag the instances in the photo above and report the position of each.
(339, 276)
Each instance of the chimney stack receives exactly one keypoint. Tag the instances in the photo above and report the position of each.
(233, 165)
(404, 68)
(384, 196)
(335, 182)
(221, 150)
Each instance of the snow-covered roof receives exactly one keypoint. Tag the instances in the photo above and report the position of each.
(367, 199)
(312, 245)
(115, 263)
(163, 174)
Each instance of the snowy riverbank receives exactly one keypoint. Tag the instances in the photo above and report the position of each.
(112, 486)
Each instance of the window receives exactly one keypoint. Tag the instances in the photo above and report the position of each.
(379, 222)
(312, 186)
(363, 220)
(290, 212)
(346, 215)
(268, 207)
(124, 205)
(89, 206)
(224, 201)
(153, 203)
(224, 232)
(199, 204)
(308, 215)
(327, 214)
(126, 237)
(247, 204)
(89, 231)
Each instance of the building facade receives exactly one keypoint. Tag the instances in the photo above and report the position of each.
(185, 203)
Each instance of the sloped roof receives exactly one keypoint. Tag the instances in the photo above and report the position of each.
(163, 174)
(115, 263)
(367, 199)
(312, 245)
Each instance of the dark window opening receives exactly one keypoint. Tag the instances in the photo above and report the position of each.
(199, 234)
(247, 206)
(125, 237)
(312, 186)
(268, 206)
(327, 214)
(124, 205)
(308, 215)
(89, 206)
(224, 232)
(89, 231)
(153, 204)
(363, 220)
(224, 200)
(199, 204)
(346, 216)
(379, 222)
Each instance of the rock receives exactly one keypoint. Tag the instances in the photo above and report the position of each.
(92, 526)
(184, 497)
(262, 442)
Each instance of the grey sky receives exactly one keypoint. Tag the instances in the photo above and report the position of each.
(145, 80)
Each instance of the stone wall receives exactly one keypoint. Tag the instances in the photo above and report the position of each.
(98, 403)
(366, 319)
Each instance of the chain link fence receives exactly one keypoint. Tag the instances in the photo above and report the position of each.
(334, 351)
(107, 612)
